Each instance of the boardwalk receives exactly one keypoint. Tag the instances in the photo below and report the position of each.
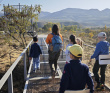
(41, 81)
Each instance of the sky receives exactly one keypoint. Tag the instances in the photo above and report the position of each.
(57, 5)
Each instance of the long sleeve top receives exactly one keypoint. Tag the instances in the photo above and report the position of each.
(75, 76)
(67, 53)
(35, 50)
(102, 48)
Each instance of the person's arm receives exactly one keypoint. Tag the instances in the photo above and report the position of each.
(47, 40)
(65, 80)
(90, 83)
(96, 52)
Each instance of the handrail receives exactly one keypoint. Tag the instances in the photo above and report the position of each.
(9, 72)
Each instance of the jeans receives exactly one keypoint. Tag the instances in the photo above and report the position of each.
(36, 63)
(102, 72)
(53, 57)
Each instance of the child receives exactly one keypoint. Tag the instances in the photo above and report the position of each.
(79, 42)
(35, 52)
(72, 40)
(102, 48)
(76, 75)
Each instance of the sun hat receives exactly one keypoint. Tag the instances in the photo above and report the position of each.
(76, 50)
(102, 34)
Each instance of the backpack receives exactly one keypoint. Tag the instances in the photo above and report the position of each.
(56, 43)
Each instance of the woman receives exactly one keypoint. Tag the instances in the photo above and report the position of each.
(53, 56)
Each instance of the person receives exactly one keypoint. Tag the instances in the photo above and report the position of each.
(102, 48)
(76, 75)
(72, 40)
(79, 42)
(53, 55)
(35, 52)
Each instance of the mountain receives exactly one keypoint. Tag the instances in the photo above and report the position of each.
(91, 17)
(43, 14)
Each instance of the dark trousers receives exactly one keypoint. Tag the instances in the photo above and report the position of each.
(53, 57)
(102, 72)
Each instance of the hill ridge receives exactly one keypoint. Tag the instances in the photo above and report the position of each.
(90, 17)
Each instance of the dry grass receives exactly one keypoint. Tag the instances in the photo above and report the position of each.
(7, 59)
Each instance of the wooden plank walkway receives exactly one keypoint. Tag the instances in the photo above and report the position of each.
(41, 81)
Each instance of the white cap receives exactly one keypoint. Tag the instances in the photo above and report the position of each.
(102, 34)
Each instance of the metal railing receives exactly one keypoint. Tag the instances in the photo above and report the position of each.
(8, 75)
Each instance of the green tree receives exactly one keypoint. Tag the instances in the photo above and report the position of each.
(19, 21)
(47, 26)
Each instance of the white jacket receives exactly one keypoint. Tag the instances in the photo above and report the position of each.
(67, 53)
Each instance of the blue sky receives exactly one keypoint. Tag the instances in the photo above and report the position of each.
(56, 5)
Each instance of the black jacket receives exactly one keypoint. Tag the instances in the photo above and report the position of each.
(35, 50)
(75, 76)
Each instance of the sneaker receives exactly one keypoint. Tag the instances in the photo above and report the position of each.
(38, 68)
(102, 87)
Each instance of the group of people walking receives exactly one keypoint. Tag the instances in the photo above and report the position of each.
(76, 74)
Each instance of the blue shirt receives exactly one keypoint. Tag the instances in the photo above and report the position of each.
(35, 50)
(75, 76)
(102, 48)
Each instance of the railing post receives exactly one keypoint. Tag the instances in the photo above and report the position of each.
(25, 68)
(29, 54)
(10, 84)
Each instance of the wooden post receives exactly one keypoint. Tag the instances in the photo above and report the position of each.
(10, 84)
(25, 68)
